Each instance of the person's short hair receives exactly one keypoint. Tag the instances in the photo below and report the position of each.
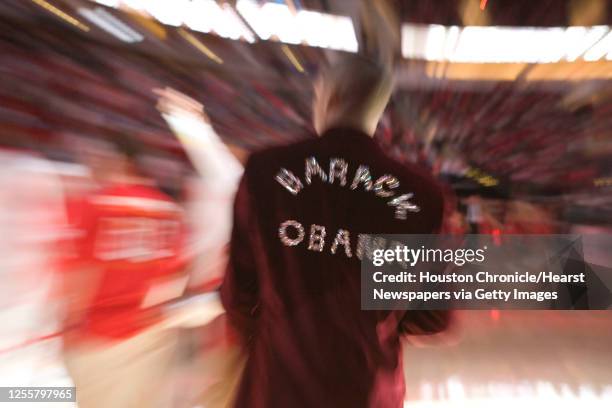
(353, 85)
(126, 146)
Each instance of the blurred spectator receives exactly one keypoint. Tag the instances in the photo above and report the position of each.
(129, 265)
(474, 213)
(32, 224)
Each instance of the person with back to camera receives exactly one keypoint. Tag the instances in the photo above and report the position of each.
(301, 215)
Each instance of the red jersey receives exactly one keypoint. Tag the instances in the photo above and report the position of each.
(133, 235)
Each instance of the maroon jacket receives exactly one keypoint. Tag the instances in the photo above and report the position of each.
(295, 295)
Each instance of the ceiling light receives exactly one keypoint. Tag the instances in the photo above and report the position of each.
(111, 24)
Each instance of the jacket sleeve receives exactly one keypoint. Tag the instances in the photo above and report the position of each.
(424, 322)
(240, 287)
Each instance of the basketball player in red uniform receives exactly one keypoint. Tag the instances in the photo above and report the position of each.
(129, 265)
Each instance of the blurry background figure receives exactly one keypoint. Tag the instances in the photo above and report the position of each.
(32, 224)
(474, 213)
(129, 265)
